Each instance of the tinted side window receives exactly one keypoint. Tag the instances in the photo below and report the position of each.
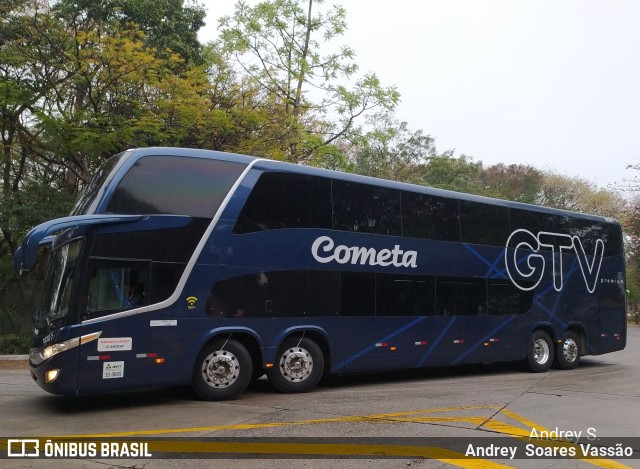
(164, 280)
(505, 298)
(324, 293)
(534, 222)
(264, 294)
(404, 295)
(366, 209)
(357, 294)
(276, 294)
(327, 293)
(589, 231)
(456, 296)
(484, 223)
(175, 185)
(285, 200)
(430, 217)
(612, 296)
(612, 238)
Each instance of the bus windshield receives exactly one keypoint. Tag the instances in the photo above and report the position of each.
(63, 265)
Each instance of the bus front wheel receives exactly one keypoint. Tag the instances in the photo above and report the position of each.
(223, 370)
(300, 366)
(540, 352)
(568, 353)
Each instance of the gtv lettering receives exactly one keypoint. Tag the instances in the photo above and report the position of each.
(534, 265)
(324, 250)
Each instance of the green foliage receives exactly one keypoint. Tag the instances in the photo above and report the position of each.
(169, 26)
(34, 203)
(572, 193)
(520, 183)
(279, 45)
(76, 89)
(390, 150)
(11, 344)
(446, 171)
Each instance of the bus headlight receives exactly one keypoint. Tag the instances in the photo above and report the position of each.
(54, 349)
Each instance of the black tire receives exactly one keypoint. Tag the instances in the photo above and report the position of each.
(299, 366)
(568, 352)
(540, 352)
(222, 371)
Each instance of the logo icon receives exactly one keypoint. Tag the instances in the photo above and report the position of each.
(23, 448)
(191, 302)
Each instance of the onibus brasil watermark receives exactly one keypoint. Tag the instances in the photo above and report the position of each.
(557, 443)
(536, 444)
(48, 448)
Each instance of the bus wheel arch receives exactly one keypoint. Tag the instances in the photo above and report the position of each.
(253, 347)
(540, 351)
(569, 349)
(300, 363)
(223, 369)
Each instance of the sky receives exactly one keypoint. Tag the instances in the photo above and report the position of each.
(550, 83)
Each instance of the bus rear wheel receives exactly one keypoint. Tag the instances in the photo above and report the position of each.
(223, 370)
(568, 352)
(540, 352)
(300, 366)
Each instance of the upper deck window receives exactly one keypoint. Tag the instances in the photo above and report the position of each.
(484, 223)
(286, 200)
(366, 208)
(430, 217)
(589, 232)
(175, 185)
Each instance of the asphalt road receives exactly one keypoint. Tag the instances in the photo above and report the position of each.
(423, 419)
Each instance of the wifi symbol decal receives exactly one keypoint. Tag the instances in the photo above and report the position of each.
(191, 302)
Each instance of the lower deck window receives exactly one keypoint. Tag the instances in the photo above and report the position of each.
(115, 288)
(118, 285)
(327, 293)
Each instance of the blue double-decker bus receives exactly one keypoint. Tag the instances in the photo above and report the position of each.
(181, 266)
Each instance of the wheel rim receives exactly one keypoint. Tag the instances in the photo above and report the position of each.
(540, 351)
(570, 350)
(220, 369)
(296, 364)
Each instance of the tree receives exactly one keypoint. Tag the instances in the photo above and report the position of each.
(169, 26)
(390, 150)
(521, 183)
(575, 194)
(276, 44)
(24, 86)
(72, 98)
(445, 171)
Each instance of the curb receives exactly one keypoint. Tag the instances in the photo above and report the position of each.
(10, 358)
